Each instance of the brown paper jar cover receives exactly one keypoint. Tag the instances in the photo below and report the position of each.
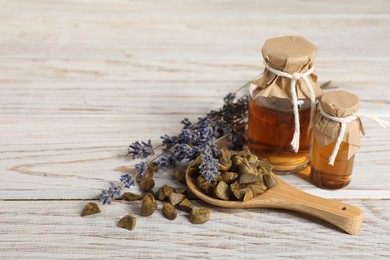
(339, 104)
(289, 54)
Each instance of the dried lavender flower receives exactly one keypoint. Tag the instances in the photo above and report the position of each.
(116, 191)
(208, 167)
(128, 180)
(229, 98)
(188, 136)
(140, 149)
(211, 148)
(187, 123)
(182, 151)
(205, 131)
(141, 168)
(237, 140)
(167, 161)
(107, 196)
(168, 141)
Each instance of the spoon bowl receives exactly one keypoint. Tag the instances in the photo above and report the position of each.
(286, 196)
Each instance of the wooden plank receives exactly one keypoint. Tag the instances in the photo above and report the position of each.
(51, 230)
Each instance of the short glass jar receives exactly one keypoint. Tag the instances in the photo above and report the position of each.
(336, 139)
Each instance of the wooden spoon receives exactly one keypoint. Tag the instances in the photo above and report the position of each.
(285, 196)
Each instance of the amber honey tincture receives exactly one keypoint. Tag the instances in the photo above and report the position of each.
(296, 76)
(343, 126)
(337, 128)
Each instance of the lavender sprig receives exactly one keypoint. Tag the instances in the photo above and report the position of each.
(140, 149)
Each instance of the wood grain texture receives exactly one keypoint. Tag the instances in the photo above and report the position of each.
(82, 79)
(36, 229)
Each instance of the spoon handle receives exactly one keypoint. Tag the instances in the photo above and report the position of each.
(344, 216)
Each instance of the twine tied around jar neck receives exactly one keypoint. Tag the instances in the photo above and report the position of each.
(294, 78)
(344, 121)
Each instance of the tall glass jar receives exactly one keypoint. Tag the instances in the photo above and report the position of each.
(336, 139)
(288, 82)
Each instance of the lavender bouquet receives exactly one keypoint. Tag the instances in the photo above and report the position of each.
(195, 139)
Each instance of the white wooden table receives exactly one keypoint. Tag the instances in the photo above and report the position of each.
(80, 80)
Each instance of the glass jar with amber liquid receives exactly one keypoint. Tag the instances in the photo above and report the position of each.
(282, 104)
(336, 139)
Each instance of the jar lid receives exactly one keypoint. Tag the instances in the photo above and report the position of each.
(339, 103)
(289, 53)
